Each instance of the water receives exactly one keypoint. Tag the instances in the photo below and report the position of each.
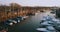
(28, 25)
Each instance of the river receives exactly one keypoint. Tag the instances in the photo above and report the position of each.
(28, 25)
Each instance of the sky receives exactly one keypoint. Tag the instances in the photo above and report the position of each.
(32, 2)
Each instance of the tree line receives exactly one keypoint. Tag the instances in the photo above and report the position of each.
(11, 7)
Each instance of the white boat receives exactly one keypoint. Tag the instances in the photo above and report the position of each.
(45, 24)
(18, 20)
(10, 24)
(51, 28)
(13, 21)
(42, 29)
(25, 17)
